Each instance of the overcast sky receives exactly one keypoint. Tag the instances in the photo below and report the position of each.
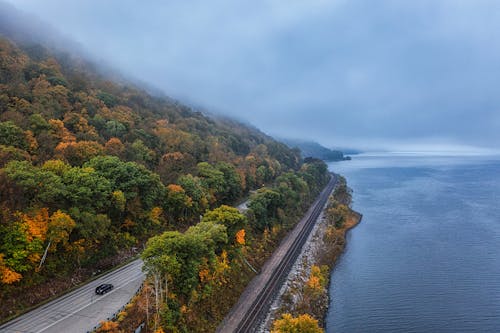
(369, 74)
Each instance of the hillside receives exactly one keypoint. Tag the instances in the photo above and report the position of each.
(314, 149)
(90, 169)
(57, 121)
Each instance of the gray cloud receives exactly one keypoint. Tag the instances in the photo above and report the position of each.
(365, 73)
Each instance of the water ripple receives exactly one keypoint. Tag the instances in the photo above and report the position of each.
(426, 257)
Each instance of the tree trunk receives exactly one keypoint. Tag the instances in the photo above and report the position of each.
(44, 255)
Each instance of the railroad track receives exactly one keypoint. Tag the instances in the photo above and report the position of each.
(260, 307)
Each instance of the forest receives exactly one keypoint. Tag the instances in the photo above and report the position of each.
(92, 170)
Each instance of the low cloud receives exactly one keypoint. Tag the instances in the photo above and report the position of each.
(345, 73)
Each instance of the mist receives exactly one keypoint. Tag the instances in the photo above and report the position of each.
(395, 75)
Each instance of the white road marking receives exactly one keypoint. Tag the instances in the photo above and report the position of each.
(60, 309)
(86, 305)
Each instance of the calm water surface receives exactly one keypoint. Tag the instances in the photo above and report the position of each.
(426, 257)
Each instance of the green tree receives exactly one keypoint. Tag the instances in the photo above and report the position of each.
(140, 153)
(115, 129)
(198, 244)
(9, 153)
(12, 135)
(86, 189)
(232, 182)
(162, 268)
(212, 179)
(315, 173)
(108, 99)
(134, 180)
(177, 202)
(38, 186)
(264, 205)
(38, 123)
(15, 246)
(213, 237)
(195, 190)
(229, 217)
(94, 229)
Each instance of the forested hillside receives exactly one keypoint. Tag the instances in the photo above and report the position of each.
(91, 166)
(314, 149)
(90, 169)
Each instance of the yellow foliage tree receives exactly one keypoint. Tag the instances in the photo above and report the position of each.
(119, 200)
(41, 227)
(221, 267)
(59, 228)
(155, 215)
(316, 282)
(60, 131)
(301, 324)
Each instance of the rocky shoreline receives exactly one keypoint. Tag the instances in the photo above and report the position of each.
(303, 292)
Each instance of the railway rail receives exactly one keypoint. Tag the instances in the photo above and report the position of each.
(260, 306)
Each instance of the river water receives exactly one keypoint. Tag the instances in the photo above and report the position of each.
(426, 256)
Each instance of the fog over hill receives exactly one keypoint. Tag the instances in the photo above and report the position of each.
(394, 75)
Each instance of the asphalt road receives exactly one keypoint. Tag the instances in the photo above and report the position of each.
(81, 309)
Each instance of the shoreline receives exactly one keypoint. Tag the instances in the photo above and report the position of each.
(322, 249)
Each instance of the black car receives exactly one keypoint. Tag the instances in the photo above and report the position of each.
(103, 288)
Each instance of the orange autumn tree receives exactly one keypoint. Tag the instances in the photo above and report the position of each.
(214, 272)
(115, 147)
(55, 229)
(240, 237)
(24, 248)
(36, 232)
(7, 275)
(37, 224)
(22, 244)
(76, 153)
(108, 326)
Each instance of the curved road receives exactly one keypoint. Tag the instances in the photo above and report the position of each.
(81, 309)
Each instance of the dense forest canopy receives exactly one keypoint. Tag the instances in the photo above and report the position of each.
(89, 166)
(117, 162)
(91, 169)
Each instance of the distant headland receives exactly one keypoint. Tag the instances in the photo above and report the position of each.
(316, 150)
